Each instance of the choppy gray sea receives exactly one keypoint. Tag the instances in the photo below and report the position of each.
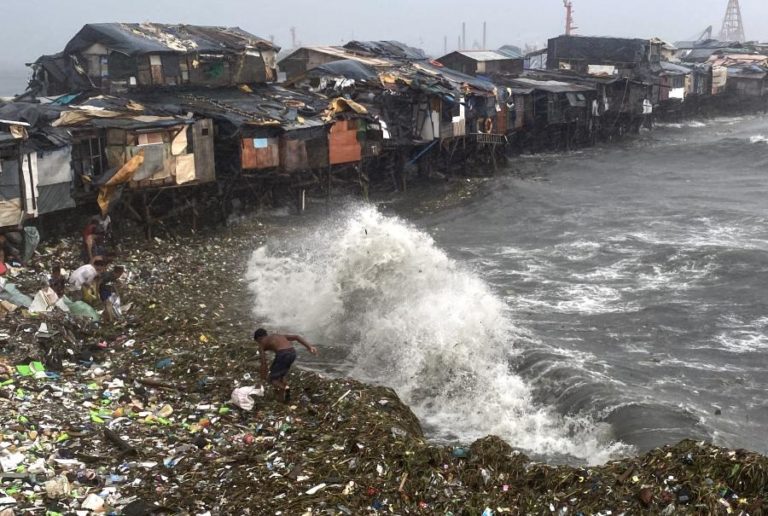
(602, 302)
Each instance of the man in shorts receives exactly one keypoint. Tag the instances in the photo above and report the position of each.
(285, 355)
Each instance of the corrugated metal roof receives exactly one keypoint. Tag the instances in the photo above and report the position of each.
(551, 86)
(387, 49)
(342, 53)
(673, 68)
(484, 55)
(145, 38)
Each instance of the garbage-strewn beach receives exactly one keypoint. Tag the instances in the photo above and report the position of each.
(135, 418)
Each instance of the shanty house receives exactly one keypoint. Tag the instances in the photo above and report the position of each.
(459, 104)
(269, 131)
(747, 81)
(118, 57)
(554, 102)
(616, 105)
(251, 125)
(482, 62)
(47, 157)
(746, 73)
(37, 178)
(675, 82)
(545, 111)
(536, 60)
(620, 57)
(121, 142)
(16, 187)
(415, 103)
(701, 51)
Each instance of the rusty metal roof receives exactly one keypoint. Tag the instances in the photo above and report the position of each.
(342, 53)
(147, 38)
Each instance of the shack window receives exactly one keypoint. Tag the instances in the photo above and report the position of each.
(156, 69)
(577, 99)
(89, 158)
(122, 67)
(171, 69)
(98, 68)
(450, 110)
(150, 139)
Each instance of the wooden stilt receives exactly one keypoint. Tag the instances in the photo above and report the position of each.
(147, 217)
(362, 175)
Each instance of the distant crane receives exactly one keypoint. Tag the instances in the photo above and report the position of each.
(707, 34)
(570, 26)
(733, 25)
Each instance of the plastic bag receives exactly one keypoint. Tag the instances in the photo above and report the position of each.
(9, 292)
(82, 309)
(44, 301)
(241, 397)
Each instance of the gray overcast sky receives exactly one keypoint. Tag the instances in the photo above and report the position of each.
(35, 27)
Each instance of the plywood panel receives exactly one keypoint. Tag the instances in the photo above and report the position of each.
(185, 169)
(341, 151)
(293, 155)
(501, 121)
(202, 143)
(317, 152)
(260, 153)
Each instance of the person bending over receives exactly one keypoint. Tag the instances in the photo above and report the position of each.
(285, 355)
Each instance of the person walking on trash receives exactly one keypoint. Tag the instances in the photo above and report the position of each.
(285, 355)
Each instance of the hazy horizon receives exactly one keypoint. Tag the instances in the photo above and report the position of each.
(423, 24)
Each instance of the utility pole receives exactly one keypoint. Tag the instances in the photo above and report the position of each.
(485, 35)
(293, 37)
(570, 26)
(463, 35)
(733, 25)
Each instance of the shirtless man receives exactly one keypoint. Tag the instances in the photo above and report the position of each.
(285, 355)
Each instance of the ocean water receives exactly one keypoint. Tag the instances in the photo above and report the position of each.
(592, 305)
(13, 80)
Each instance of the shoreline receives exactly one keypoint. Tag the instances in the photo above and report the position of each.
(343, 446)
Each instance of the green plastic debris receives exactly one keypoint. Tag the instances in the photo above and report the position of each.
(82, 309)
(31, 369)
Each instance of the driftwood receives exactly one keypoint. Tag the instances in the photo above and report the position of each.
(124, 447)
(149, 382)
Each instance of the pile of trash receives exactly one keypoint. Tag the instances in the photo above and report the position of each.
(162, 413)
